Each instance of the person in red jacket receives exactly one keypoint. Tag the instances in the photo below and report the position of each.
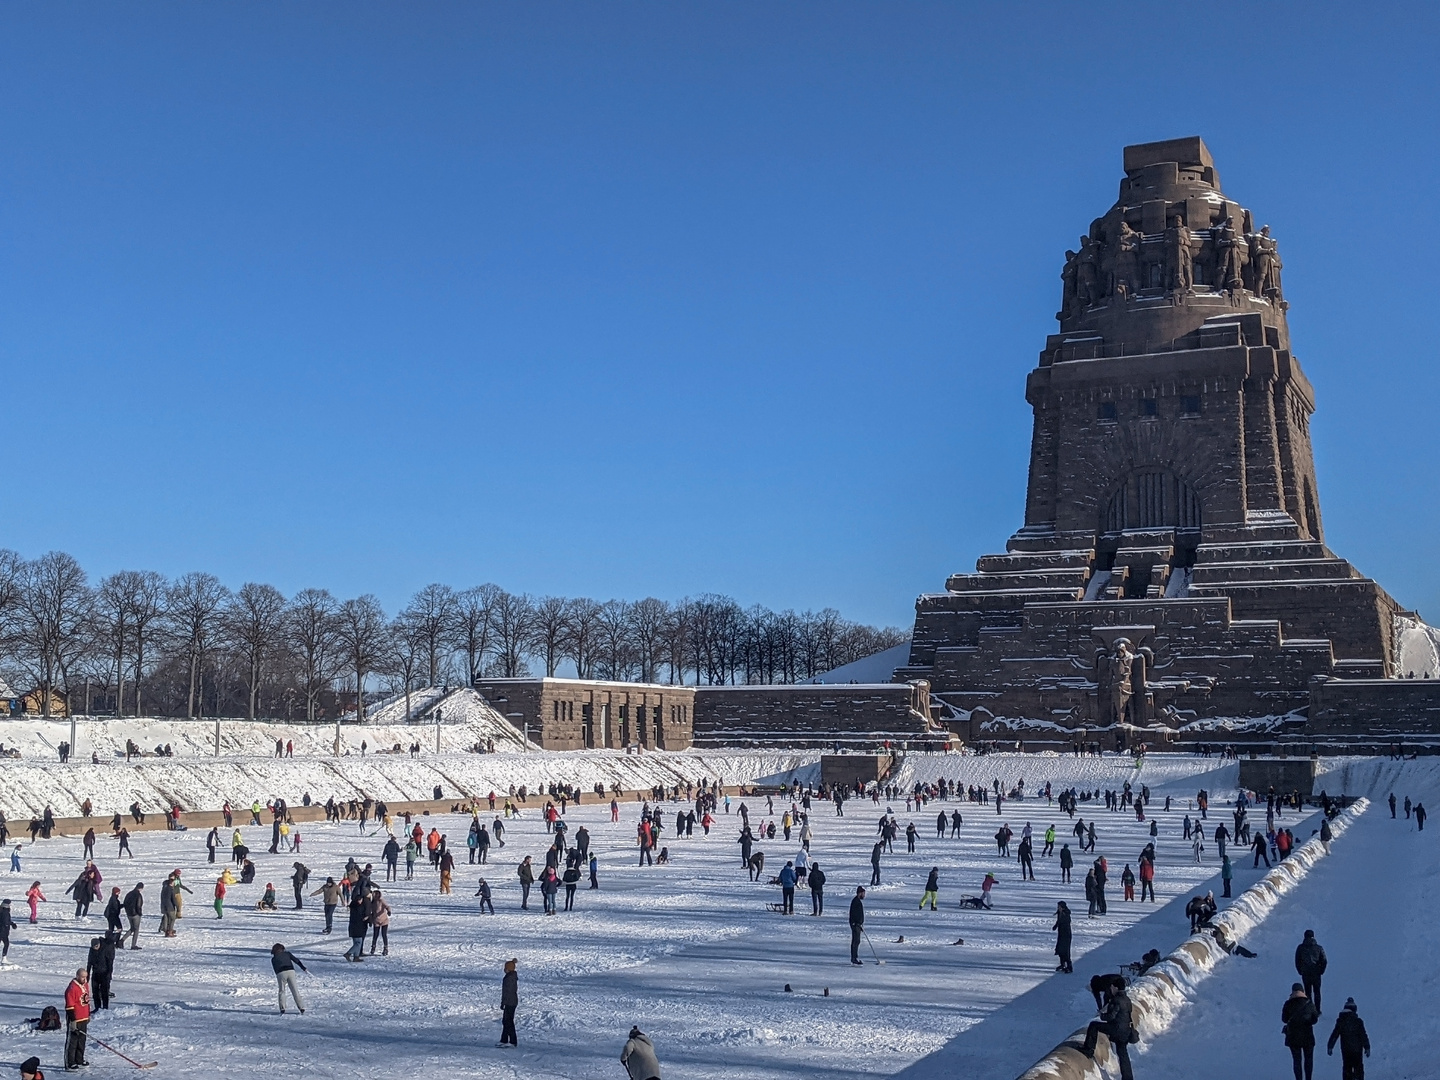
(1147, 880)
(77, 1019)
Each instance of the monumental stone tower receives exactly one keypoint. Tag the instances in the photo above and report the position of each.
(1172, 562)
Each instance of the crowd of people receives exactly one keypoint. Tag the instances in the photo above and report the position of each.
(360, 887)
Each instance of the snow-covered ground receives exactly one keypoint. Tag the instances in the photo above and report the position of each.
(687, 951)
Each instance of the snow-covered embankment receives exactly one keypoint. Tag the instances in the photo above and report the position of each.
(1160, 994)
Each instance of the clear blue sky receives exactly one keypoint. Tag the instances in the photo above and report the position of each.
(625, 300)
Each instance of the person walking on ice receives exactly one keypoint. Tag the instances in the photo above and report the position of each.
(857, 923)
(1310, 965)
(1299, 1016)
(1063, 936)
(1354, 1042)
(284, 963)
(639, 1058)
(932, 889)
(509, 1002)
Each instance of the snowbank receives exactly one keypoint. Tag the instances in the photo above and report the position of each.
(38, 740)
(205, 783)
(1159, 995)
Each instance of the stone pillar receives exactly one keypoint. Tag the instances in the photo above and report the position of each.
(1264, 489)
(1044, 461)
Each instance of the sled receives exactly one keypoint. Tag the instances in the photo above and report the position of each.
(973, 902)
(778, 908)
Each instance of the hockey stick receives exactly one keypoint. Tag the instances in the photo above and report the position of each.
(117, 1053)
(872, 948)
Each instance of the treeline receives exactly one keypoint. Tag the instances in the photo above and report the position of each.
(136, 643)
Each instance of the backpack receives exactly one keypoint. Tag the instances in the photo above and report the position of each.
(49, 1019)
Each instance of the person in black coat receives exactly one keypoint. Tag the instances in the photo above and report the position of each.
(357, 927)
(857, 923)
(1116, 1023)
(1062, 938)
(134, 906)
(1299, 1016)
(1310, 964)
(6, 925)
(112, 912)
(817, 889)
(101, 965)
(1354, 1042)
(509, 1002)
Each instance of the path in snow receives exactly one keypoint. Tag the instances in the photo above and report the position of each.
(1371, 905)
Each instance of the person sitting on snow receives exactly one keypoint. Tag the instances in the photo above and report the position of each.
(267, 901)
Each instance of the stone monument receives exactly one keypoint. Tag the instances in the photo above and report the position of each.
(1172, 564)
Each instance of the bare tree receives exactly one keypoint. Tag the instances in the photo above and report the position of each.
(311, 631)
(676, 641)
(471, 628)
(115, 603)
(431, 614)
(648, 621)
(582, 635)
(151, 592)
(53, 606)
(405, 653)
(253, 622)
(362, 632)
(552, 629)
(512, 621)
(617, 653)
(194, 609)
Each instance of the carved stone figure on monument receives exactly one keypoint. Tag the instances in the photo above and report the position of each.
(1265, 264)
(1087, 278)
(1113, 681)
(1137, 711)
(1230, 252)
(1179, 258)
(1068, 306)
(1125, 262)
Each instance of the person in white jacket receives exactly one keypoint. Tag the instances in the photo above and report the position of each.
(639, 1058)
(802, 864)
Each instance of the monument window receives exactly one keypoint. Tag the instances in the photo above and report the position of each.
(1149, 407)
(1190, 406)
(1106, 412)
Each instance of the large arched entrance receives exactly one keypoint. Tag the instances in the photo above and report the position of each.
(1151, 499)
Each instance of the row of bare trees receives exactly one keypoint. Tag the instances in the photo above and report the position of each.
(135, 643)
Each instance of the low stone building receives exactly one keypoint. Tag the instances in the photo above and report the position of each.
(845, 714)
(578, 714)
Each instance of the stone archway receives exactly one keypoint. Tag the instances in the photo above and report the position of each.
(1151, 499)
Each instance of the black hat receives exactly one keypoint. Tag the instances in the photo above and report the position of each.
(1294, 987)
(1349, 1005)
(30, 1066)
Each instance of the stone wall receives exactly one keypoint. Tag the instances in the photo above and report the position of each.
(849, 769)
(812, 715)
(576, 714)
(1377, 708)
(1283, 774)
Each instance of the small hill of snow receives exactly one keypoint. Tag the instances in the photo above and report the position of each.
(875, 668)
